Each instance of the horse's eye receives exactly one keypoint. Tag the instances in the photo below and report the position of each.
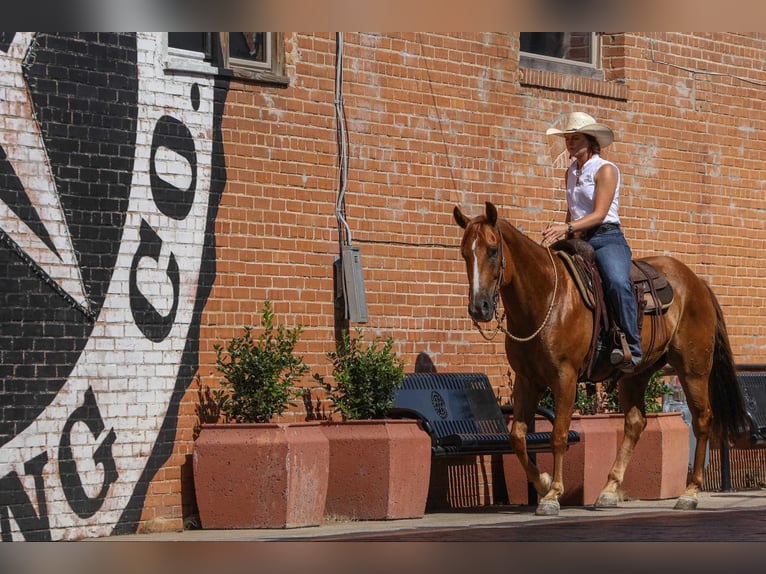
(492, 251)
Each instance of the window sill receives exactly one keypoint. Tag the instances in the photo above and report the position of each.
(184, 64)
(261, 76)
(568, 78)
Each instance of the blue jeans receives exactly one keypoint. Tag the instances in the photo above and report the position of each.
(613, 257)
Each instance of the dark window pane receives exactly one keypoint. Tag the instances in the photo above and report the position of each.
(574, 46)
(248, 46)
(193, 41)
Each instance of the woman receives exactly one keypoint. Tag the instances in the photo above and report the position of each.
(593, 200)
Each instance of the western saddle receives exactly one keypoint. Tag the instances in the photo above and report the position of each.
(653, 292)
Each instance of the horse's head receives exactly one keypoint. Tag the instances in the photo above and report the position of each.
(482, 250)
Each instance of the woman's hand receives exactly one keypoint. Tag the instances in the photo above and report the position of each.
(554, 232)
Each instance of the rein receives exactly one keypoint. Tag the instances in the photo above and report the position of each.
(501, 318)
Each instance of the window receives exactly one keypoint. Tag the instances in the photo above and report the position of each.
(253, 55)
(569, 46)
(569, 52)
(191, 52)
(192, 42)
(250, 49)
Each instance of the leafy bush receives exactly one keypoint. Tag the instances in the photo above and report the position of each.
(606, 401)
(259, 375)
(365, 377)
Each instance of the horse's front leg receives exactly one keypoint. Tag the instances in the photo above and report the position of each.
(564, 395)
(549, 488)
(525, 399)
(541, 481)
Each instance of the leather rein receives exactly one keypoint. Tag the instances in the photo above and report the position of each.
(500, 318)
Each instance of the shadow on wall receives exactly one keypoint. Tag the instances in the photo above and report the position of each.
(424, 364)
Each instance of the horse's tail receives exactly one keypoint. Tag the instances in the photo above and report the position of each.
(729, 415)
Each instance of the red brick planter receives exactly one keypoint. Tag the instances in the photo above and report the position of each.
(660, 462)
(656, 471)
(379, 469)
(261, 475)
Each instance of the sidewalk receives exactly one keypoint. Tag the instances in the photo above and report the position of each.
(721, 516)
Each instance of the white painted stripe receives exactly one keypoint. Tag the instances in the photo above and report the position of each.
(475, 268)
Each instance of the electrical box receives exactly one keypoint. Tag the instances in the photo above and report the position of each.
(353, 285)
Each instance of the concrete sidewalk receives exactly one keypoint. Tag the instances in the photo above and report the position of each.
(721, 516)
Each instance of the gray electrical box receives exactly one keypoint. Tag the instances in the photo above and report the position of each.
(353, 285)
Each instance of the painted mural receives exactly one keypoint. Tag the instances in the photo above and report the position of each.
(110, 176)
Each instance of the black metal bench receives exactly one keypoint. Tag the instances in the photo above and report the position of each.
(461, 414)
(752, 382)
(753, 386)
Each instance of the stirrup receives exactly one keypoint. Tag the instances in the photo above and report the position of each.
(621, 354)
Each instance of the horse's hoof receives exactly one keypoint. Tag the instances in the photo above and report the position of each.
(686, 503)
(548, 508)
(606, 500)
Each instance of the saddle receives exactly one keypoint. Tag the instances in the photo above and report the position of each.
(653, 292)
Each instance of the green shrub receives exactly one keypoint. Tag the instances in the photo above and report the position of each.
(259, 375)
(365, 377)
(607, 401)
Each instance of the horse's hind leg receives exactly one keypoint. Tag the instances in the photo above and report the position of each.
(696, 361)
(631, 396)
(695, 388)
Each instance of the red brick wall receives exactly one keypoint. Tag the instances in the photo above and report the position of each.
(436, 120)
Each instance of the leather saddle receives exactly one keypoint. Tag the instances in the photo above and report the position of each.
(654, 294)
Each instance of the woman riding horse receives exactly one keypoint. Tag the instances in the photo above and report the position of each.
(548, 332)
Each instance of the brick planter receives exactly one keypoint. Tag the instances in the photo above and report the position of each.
(261, 475)
(660, 462)
(379, 469)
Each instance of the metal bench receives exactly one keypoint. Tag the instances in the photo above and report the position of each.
(752, 383)
(753, 386)
(461, 414)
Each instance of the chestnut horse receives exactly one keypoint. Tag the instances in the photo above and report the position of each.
(548, 336)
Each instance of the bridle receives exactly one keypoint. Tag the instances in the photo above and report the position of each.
(496, 300)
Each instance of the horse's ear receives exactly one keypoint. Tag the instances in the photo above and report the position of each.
(491, 213)
(461, 219)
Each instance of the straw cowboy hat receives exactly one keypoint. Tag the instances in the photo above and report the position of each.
(580, 122)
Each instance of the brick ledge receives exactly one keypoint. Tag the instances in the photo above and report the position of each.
(570, 83)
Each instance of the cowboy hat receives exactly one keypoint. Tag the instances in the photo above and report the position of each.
(580, 122)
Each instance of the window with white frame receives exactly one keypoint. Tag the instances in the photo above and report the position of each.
(250, 49)
(254, 55)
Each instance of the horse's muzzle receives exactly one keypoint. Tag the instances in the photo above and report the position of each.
(481, 309)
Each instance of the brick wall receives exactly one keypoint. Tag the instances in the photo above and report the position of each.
(436, 120)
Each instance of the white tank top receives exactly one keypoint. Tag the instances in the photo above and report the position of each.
(581, 187)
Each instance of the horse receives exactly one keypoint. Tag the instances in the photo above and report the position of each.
(548, 333)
